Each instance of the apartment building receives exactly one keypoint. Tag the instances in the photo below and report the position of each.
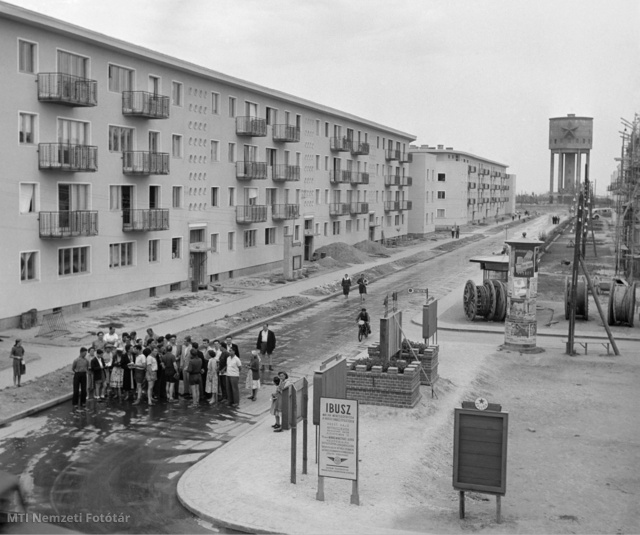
(458, 188)
(127, 173)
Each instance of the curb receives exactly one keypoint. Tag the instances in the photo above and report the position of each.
(36, 408)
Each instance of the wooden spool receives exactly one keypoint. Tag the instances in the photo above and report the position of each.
(622, 303)
(488, 300)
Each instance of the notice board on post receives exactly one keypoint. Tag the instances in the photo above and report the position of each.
(480, 451)
(430, 319)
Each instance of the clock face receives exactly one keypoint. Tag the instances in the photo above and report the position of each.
(481, 404)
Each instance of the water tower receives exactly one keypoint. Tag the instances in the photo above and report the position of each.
(570, 139)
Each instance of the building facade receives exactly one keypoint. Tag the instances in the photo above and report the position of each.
(127, 173)
(456, 188)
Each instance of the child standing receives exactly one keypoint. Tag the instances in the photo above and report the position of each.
(275, 397)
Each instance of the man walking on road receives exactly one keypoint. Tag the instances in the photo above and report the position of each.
(266, 344)
(80, 367)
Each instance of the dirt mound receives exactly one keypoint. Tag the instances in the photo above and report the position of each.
(344, 253)
(372, 247)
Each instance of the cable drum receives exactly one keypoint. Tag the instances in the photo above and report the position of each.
(582, 298)
(622, 303)
(488, 300)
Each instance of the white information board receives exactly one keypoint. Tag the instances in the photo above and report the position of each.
(338, 442)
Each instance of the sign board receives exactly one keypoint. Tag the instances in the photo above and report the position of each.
(293, 413)
(480, 450)
(418, 290)
(338, 440)
(330, 381)
(430, 319)
(525, 264)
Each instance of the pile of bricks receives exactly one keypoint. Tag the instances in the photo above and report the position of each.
(428, 358)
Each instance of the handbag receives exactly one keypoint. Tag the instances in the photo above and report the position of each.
(23, 368)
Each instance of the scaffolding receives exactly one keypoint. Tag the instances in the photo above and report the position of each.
(625, 190)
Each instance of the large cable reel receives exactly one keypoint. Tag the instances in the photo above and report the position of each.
(622, 303)
(488, 300)
(582, 298)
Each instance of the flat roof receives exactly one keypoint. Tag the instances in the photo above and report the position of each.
(422, 148)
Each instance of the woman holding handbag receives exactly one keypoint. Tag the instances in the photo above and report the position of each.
(17, 354)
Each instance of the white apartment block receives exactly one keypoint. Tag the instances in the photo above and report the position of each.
(457, 188)
(127, 173)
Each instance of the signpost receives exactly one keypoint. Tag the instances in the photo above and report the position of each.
(338, 444)
(294, 409)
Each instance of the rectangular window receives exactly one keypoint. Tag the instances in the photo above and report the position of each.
(27, 129)
(176, 197)
(336, 228)
(154, 245)
(271, 116)
(215, 151)
(271, 196)
(215, 103)
(176, 146)
(270, 236)
(29, 266)
(28, 198)
(214, 242)
(441, 194)
(120, 254)
(176, 247)
(73, 260)
(317, 127)
(215, 196)
(232, 197)
(440, 212)
(26, 57)
(441, 177)
(232, 152)
(120, 139)
(176, 94)
(231, 238)
(232, 106)
(296, 232)
(396, 220)
(250, 238)
(326, 229)
(326, 196)
(326, 129)
(317, 196)
(120, 79)
(348, 226)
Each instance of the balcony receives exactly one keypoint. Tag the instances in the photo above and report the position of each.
(391, 206)
(67, 89)
(341, 144)
(285, 132)
(251, 213)
(145, 219)
(356, 208)
(406, 157)
(251, 170)
(281, 212)
(359, 148)
(68, 224)
(145, 104)
(390, 154)
(338, 208)
(391, 180)
(285, 173)
(359, 178)
(405, 205)
(340, 177)
(137, 162)
(406, 181)
(67, 157)
(251, 126)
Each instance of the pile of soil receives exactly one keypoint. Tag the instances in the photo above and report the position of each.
(372, 247)
(344, 253)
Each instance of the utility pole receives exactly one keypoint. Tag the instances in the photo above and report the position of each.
(577, 248)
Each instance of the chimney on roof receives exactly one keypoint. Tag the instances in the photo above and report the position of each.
(440, 147)
(571, 114)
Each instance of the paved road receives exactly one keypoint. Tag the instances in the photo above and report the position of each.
(127, 459)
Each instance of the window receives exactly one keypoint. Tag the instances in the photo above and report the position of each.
(317, 127)
(176, 146)
(441, 177)
(270, 236)
(348, 226)
(214, 243)
(120, 139)
(27, 128)
(26, 57)
(326, 196)
(176, 247)
(215, 151)
(215, 103)
(120, 79)
(296, 232)
(441, 194)
(250, 238)
(29, 266)
(176, 94)
(232, 106)
(336, 228)
(271, 196)
(396, 220)
(317, 196)
(120, 254)
(317, 162)
(326, 129)
(440, 212)
(232, 152)
(176, 197)
(28, 198)
(326, 229)
(120, 197)
(232, 196)
(215, 196)
(271, 116)
(154, 197)
(231, 238)
(73, 260)
(153, 250)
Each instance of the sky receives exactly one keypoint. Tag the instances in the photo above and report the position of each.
(481, 76)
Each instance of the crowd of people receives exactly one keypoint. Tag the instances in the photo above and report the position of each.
(161, 369)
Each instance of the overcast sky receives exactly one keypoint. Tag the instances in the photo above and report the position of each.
(481, 76)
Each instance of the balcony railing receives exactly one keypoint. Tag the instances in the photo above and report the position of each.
(251, 126)
(359, 178)
(406, 157)
(391, 206)
(390, 154)
(67, 89)
(145, 219)
(359, 208)
(251, 170)
(341, 144)
(285, 132)
(338, 208)
(67, 157)
(281, 212)
(359, 148)
(285, 173)
(137, 162)
(391, 180)
(145, 104)
(405, 205)
(340, 177)
(251, 213)
(68, 224)
(406, 181)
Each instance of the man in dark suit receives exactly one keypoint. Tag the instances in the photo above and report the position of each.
(266, 344)
(229, 343)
